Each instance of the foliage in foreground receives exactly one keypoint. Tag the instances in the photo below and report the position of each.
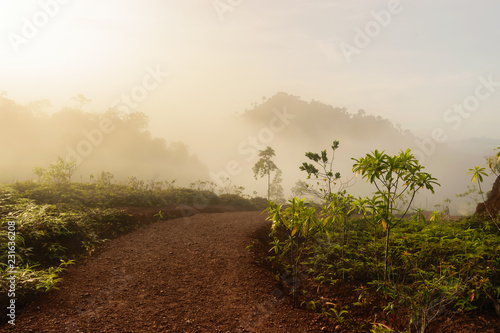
(432, 266)
(418, 268)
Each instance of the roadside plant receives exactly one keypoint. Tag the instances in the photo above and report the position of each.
(432, 297)
(371, 210)
(419, 215)
(393, 176)
(337, 211)
(322, 171)
(494, 163)
(298, 222)
(435, 216)
(338, 315)
(477, 175)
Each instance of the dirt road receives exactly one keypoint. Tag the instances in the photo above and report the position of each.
(184, 275)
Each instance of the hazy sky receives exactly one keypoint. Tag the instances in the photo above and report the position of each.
(408, 61)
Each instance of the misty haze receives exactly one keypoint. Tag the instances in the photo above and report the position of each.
(123, 145)
(120, 116)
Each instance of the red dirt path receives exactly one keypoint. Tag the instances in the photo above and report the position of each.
(183, 275)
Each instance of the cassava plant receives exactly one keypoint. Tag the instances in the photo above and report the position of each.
(393, 176)
(336, 212)
(370, 209)
(322, 171)
(494, 163)
(298, 222)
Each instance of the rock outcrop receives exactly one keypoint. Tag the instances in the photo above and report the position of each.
(492, 204)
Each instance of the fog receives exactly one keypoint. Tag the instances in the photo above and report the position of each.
(191, 90)
(120, 144)
(225, 154)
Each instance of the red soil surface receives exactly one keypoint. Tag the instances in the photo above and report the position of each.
(183, 275)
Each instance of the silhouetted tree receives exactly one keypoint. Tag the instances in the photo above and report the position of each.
(276, 192)
(265, 166)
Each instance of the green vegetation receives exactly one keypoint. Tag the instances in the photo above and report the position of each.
(326, 180)
(393, 176)
(428, 266)
(55, 221)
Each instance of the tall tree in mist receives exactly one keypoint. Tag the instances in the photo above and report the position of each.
(276, 191)
(264, 166)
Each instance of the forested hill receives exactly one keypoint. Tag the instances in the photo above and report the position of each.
(112, 142)
(317, 119)
(315, 122)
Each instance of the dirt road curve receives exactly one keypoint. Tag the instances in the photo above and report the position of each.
(182, 275)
